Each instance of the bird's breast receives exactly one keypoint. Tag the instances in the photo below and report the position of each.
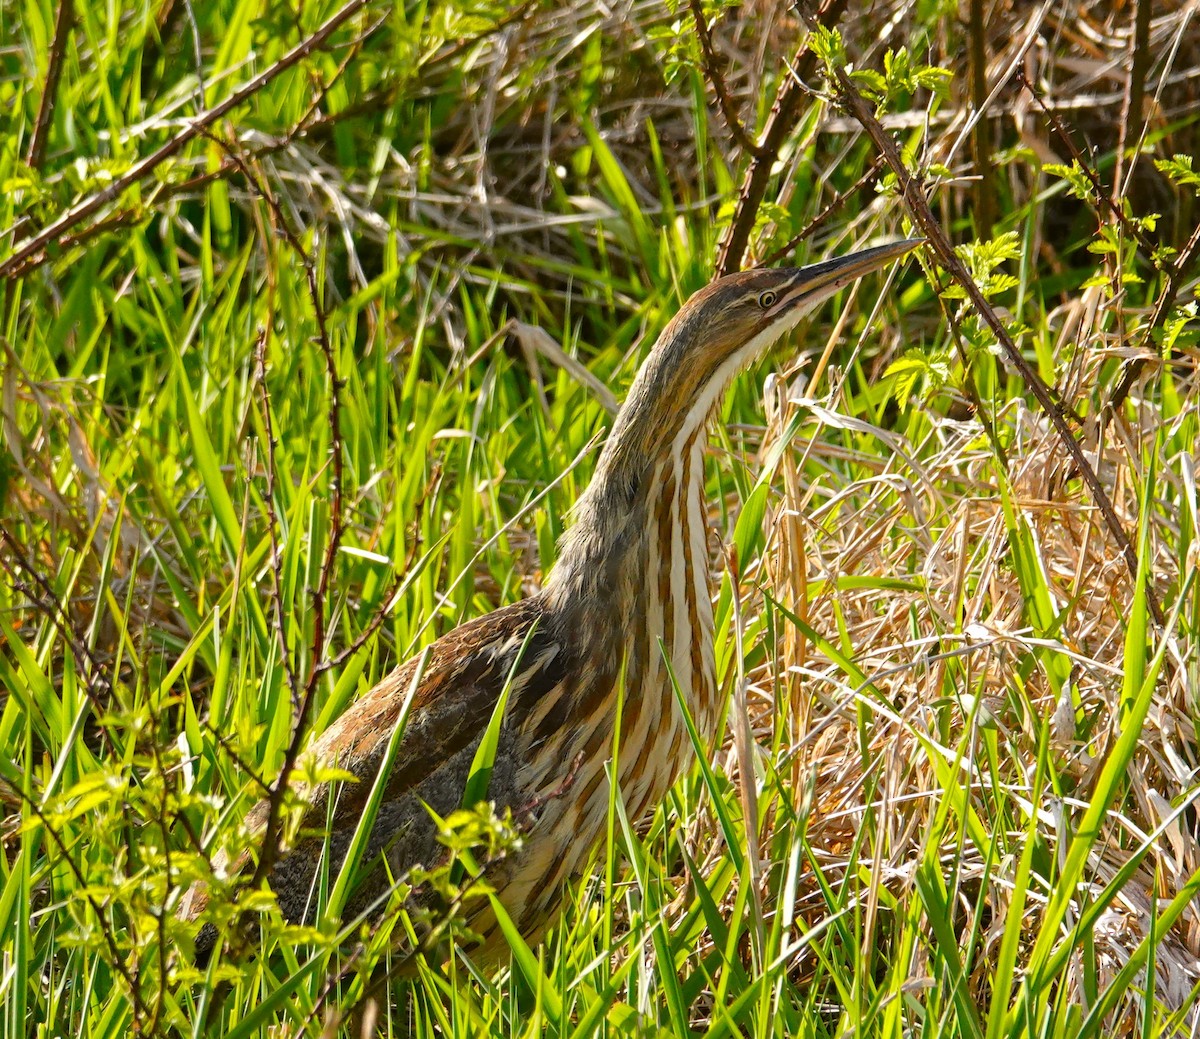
(648, 657)
(640, 644)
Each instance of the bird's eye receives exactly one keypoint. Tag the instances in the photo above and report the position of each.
(766, 299)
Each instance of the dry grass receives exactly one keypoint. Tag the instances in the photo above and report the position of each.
(503, 210)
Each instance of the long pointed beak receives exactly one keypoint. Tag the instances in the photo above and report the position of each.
(819, 281)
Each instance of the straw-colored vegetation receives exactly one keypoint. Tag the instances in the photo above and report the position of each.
(305, 357)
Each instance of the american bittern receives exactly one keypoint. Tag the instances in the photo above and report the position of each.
(631, 585)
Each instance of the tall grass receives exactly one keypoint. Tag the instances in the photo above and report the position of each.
(274, 420)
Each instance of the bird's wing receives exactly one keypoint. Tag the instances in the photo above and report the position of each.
(457, 691)
(458, 687)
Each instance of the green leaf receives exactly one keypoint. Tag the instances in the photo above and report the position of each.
(1078, 183)
(1178, 170)
(476, 787)
(362, 832)
(207, 465)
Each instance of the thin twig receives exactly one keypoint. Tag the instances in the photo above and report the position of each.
(373, 625)
(119, 221)
(1177, 274)
(63, 22)
(712, 72)
(269, 847)
(117, 959)
(302, 705)
(260, 373)
(144, 167)
(337, 517)
(160, 924)
(97, 684)
(222, 741)
(823, 217)
(972, 391)
(781, 122)
(1145, 246)
(530, 808)
(912, 191)
(312, 123)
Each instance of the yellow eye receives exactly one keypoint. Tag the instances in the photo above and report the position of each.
(766, 300)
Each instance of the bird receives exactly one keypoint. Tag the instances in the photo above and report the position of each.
(626, 610)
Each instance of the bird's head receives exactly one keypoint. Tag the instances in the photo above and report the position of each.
(721, 329)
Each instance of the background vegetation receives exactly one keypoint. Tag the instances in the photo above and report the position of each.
(311, 317)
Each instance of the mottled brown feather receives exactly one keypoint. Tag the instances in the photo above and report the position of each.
(459, 686)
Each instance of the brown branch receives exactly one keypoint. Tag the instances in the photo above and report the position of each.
(144, 167)
(985, 189)
(260, 373)
(321, 663)
(913, 193)
(373, 625)
(119, 221)
(269, 846)
(355, 46)
(1177, 274)
(302, 700)
(782, 120)
(311, 124)
(712, 72)
(63, 22)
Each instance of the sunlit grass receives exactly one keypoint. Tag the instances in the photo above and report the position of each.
(972, 745)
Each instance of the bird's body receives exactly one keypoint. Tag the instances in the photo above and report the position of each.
(628, 597)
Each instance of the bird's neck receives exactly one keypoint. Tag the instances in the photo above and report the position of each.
(631, 582)
(631, 525)
(647, 495)
(645, 504)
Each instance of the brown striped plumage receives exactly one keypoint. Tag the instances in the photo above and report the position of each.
(632, 575)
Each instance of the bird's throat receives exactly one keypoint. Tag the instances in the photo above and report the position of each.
(632, 583)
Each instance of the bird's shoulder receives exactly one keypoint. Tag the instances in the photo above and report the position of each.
(458, 681)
